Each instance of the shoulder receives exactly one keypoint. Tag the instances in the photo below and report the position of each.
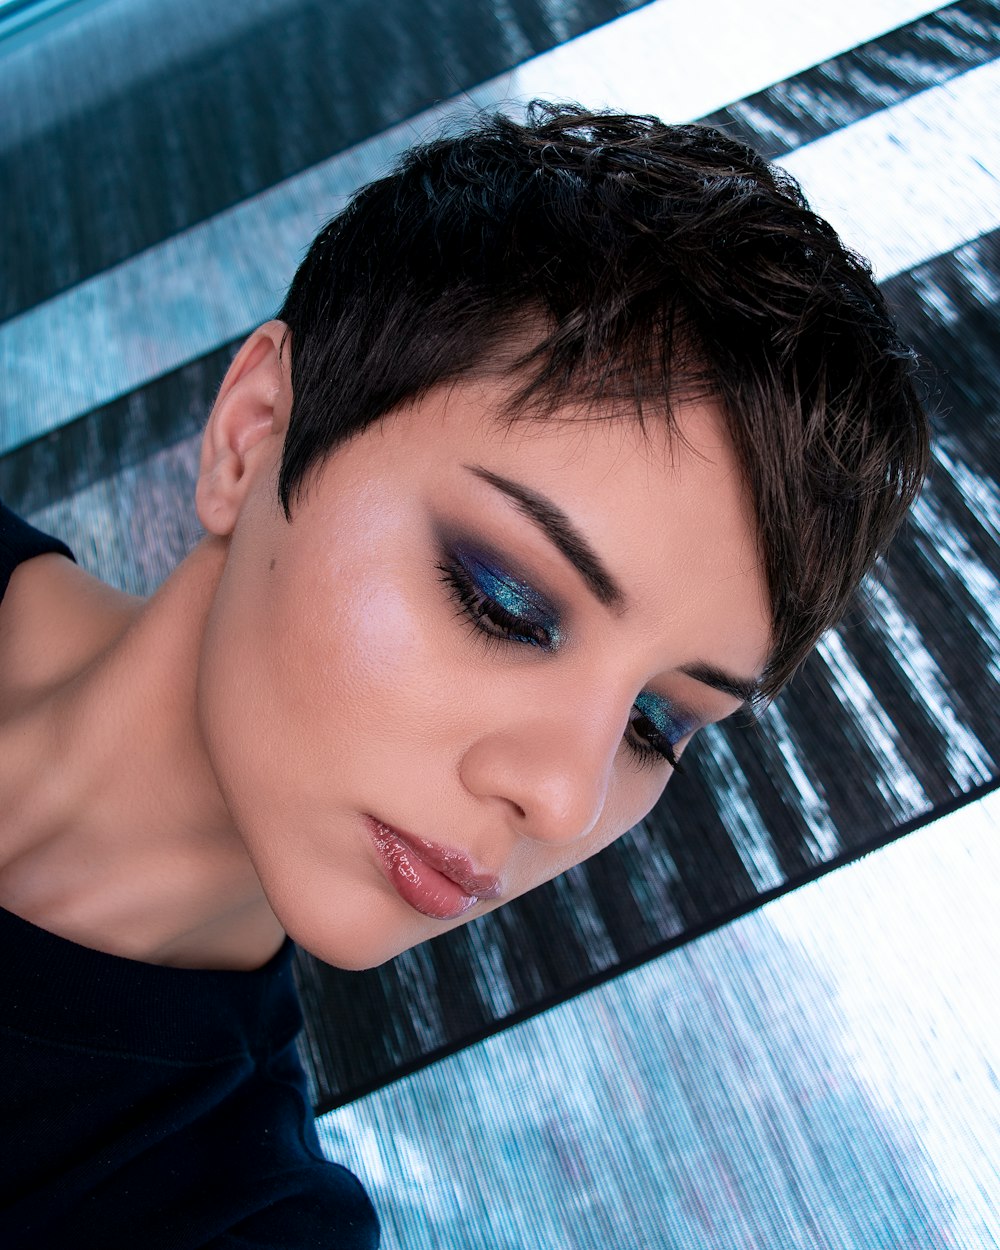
(54, 619)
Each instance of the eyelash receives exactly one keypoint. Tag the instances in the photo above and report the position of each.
(495, 626)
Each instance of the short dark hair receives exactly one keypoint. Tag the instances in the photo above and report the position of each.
(666, 262)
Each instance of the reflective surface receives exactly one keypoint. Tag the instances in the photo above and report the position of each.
(822, 1073)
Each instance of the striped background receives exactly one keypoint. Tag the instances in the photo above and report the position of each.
(163, 167)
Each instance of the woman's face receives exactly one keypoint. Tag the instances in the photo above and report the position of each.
(485, 638)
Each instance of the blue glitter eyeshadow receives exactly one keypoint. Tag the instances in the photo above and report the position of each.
(659, 714)
(511, 595)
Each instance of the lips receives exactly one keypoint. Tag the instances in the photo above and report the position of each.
(453, 865)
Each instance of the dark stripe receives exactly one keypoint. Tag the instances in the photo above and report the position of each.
(218, 123)
(873, 76)
(127, 432)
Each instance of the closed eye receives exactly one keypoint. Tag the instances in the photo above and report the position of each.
(491, 617)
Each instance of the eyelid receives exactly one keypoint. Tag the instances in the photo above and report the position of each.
(499, 566)
(510, 543)
(682, 722)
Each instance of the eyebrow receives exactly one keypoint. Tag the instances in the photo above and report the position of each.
(563, 533)
(745, 689)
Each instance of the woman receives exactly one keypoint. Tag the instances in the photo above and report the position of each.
(570, 439)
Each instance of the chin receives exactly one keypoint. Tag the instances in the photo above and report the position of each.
(354, 961)
(354, 945)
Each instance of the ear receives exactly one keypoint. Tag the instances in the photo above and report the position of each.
(246, 427)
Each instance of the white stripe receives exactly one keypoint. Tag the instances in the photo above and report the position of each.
(740, 814)
(915, 180)
(821, 838)
(968, 762)
(214, 282)
(681, 59)
(872, 727)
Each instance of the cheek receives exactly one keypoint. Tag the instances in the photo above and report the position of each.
(293, 669)
(325, 690)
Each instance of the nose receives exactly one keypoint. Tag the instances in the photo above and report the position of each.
(552, 783)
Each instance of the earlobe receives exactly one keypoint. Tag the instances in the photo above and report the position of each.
(246, 427)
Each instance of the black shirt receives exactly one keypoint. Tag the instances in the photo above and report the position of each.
(152, 1108)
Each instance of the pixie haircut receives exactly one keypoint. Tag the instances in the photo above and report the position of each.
(644, 265)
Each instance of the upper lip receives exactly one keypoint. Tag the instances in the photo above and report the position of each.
(455, 865)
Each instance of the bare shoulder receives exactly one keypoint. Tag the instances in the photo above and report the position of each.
(54, 618)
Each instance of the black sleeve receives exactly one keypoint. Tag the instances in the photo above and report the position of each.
(19, 541)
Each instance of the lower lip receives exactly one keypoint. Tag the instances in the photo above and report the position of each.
(425, 889)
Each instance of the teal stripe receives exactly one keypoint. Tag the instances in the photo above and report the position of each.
(211, 284)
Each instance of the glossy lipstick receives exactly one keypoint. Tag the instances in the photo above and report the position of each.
(434, 880)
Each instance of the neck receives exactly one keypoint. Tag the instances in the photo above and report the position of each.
(114, 833)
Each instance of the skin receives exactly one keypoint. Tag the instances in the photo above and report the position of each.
(184, 779)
